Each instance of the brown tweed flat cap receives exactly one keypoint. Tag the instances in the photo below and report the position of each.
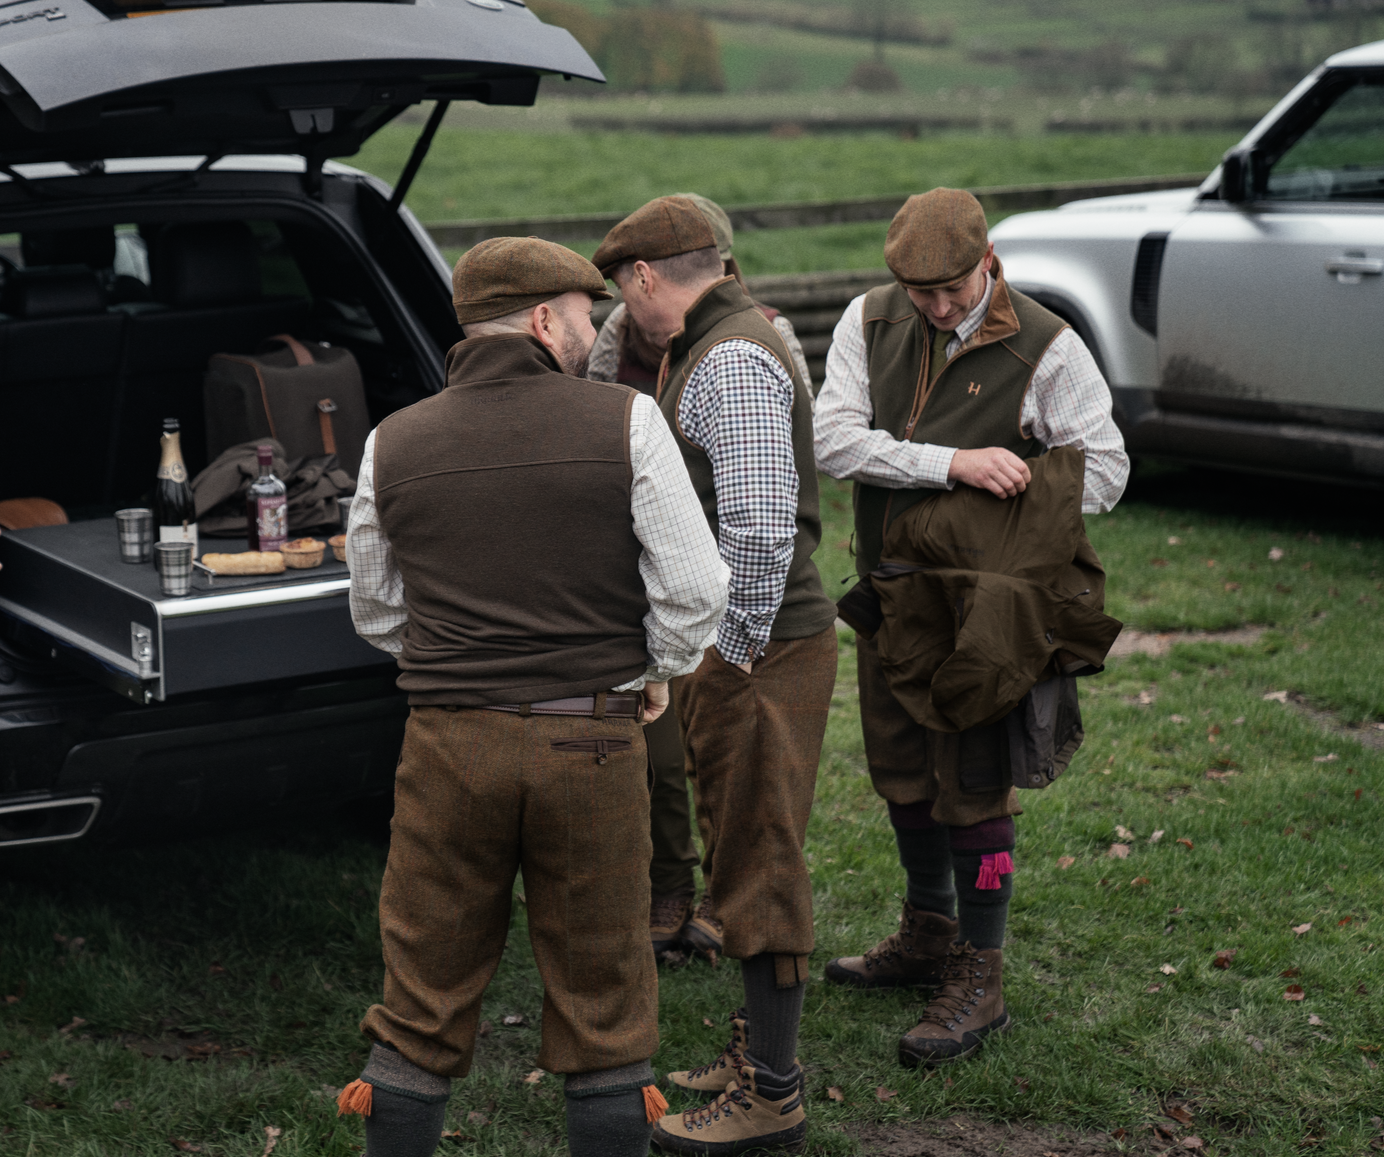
(936, 238)
(664, 227)
(506, 274)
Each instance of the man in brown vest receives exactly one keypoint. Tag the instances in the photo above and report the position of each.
(949, 376)
(624, 353)
(753, 714)
(528, 545)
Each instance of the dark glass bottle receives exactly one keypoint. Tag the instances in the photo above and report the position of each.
(266, 505)
(175, 514)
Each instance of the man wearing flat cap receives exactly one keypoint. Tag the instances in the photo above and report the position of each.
(949, 376)
(529, 547)
(624, 353)
(753, 714)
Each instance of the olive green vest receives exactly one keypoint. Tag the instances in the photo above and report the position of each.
(976, 400)
(721, 313)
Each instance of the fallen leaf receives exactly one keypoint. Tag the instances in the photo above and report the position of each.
(1120, 1134)
(1359, 791)
(62, 1080)
(1138, 881)
(1368, 1048)
(1177, 718)
(1176, 911)
(1158, 562)
(534, 1077)
(1158, 835)
(1361, 990)
(1065, 862)
(122, 1106)
(77, 1023)
(1276, 697)
(1210, 563)
(216, 969)
(1239, 719)
(1167, 970)
(1314, 1019)
(1022, 1083)
(947, 1084)
(11, 999)
(272, 1133)
(1224, 957)
(1118, 852)
(834, 1093)
(1289, 831)
(454, 1134)
(1301, 929)
(1331, 758)
(1192, 1143)
(513, 1020)
(485, 1028)
(1255, 1043)
(184, 1146)
(1289, 973)
(1123, 832)
(477, 1118)
(1178, 1114)
(1293, 992)
(1344, 921)
(1232, 587)
(1047, 1016)
(1154, 988)
(883, 1094)
(706, 1020)
(1275, 553)
(1163, 1132)
(1173, 540)
(1186, 843)
(1216, 773)
(1145, 698)
(1282, 589)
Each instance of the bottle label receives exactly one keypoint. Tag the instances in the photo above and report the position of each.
(171, 458)
(174, 471)
(185, 532)
(271, 521)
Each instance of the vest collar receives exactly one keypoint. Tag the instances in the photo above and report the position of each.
(497, 357)
(718, 301)
(1001, 321)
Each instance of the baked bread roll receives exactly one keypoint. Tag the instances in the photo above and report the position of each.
(246, 562)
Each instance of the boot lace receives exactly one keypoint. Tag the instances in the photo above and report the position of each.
(667, 910)
(732, 1056)
(961, 990)
(725, 1104)
(706, 910)
(895, 945)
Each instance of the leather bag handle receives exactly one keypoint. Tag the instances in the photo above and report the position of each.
(301, 354)
(325, 409)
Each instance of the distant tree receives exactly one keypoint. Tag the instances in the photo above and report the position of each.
(880, 19)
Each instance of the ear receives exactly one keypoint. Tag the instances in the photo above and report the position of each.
(643, 276)
(545, 325)
(989, 259)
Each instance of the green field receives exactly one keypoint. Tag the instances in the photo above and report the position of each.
(218, 981)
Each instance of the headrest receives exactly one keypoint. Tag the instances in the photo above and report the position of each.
(206, 264)
(58, 291)
(94, 247)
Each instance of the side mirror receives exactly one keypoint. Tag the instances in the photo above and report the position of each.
(1243, 175)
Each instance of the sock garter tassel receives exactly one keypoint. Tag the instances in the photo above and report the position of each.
(655, 1105)
(355, 1098)
(991, 869)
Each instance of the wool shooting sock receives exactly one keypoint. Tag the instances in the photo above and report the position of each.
(404, 1106)
(611, 1113)
(925, 853)
(984, 867)
(773, 1014)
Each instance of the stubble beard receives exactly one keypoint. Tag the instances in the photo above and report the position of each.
(573, 357)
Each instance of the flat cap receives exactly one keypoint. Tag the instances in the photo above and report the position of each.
(507, 274)
(665, 227)
(717, 218)
(936, 238)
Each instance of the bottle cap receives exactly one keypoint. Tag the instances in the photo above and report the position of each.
(265, 455)
(170, 425)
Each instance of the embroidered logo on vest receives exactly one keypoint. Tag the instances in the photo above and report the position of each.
(975, 388)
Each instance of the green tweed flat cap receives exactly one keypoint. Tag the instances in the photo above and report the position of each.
(664, 227)
(936, 238)
(717, 218)
(506, 274)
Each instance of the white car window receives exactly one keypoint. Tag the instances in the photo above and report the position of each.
(1341, 157)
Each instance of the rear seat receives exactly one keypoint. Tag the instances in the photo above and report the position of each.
(206, 278)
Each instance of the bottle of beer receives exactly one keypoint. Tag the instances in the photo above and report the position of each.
(266, 505)
(175, 514)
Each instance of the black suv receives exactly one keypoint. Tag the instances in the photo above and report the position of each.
(168, 194)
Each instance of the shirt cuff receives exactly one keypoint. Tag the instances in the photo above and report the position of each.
(936, 465)
(735, 646)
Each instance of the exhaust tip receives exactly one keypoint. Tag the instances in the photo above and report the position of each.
(47, 821)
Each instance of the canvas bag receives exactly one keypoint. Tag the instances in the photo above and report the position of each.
(314, 485)
(308, 397)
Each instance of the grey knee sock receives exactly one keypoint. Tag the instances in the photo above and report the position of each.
(983, 912)
(605, 1112)
(926, 856)
(408, 1106)
(773, 1014)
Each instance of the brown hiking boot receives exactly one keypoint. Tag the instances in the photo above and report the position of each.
(915, 954)
(967, 1008)
(758, 1111)
(668, 914)
(714, 1078)
(703, 932)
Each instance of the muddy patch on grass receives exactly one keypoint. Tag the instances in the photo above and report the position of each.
(1366, 734)
(966, 1137)
(1159, 643)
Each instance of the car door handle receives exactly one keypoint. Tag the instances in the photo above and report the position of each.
(1349, 270)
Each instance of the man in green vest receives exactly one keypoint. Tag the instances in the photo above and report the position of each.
(753, 714)
(949, 376)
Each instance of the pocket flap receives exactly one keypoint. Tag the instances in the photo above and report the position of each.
(600, 744)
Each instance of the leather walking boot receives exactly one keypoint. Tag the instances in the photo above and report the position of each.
(967, 1008)
(714, 1077)
(703, 932)
(758, 1112)
(914, 955)
(668, 914)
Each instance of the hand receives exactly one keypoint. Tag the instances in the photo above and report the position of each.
(655, 701)
(748, 668)
(994, 469)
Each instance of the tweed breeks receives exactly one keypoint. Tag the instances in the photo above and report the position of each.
(479, 796)
(753, 743)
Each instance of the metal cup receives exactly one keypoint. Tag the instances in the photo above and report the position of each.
(174, 563)
(135, 525)
(343, 505)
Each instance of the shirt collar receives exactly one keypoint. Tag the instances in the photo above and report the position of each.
(972, 322)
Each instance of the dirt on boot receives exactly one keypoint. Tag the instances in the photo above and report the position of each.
(668, 914)
(914, 955)
(714, 1077)
(967, 1008)
(758, 1112)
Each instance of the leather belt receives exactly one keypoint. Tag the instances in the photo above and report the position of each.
(625, 705)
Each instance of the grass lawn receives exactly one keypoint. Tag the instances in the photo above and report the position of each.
(218, 981)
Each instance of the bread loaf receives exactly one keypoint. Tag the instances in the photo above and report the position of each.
(246, 562)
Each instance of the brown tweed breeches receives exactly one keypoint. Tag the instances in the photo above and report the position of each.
(909, 763)
(479, 796)
(753, 743)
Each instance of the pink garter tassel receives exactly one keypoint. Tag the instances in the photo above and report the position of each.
(991, 869)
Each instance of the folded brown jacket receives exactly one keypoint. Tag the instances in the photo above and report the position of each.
(314, 484)
(983, 597)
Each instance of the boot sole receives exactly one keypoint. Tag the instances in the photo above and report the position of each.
(844, 976)
(666, 942)
(911, 1060)
(699, 941)
(792, 1140)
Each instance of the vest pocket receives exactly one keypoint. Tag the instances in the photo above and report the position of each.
(982, 758)
(603, 747)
